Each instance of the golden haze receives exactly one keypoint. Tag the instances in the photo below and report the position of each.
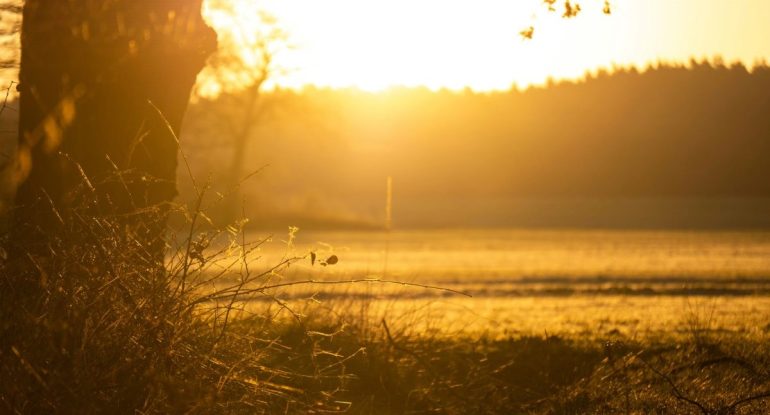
(374, 45)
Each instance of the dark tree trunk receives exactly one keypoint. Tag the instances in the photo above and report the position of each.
(104, 85)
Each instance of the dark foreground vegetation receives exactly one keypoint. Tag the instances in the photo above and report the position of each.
(101, 328)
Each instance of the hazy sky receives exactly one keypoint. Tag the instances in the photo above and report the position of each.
(374, 44)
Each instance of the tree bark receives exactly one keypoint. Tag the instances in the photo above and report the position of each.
(104, 85)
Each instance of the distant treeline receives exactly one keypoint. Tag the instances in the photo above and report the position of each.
(702, 130)
(673, 132)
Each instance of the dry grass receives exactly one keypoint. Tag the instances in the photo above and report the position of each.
(397, 370)
(101, 326)
(94, 322)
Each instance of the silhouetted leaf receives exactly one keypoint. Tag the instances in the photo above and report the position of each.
(332, 260)
(570, 10)
(528, 32)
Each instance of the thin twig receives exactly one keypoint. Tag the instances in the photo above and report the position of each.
(763, 395)
(335, 282)
(677, 393)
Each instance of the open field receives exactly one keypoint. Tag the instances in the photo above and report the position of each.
(559, 322)
(531, 282)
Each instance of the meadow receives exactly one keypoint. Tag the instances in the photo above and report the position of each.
(526, 321)
(456, 321)
(538, 280)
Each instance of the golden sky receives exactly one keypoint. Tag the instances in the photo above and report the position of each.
(375, 44)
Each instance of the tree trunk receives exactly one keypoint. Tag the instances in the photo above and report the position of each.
(104, 85)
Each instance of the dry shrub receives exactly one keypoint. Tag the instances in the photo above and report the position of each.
(93, 321)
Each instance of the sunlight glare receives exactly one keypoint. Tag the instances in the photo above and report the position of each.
(455, 44)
